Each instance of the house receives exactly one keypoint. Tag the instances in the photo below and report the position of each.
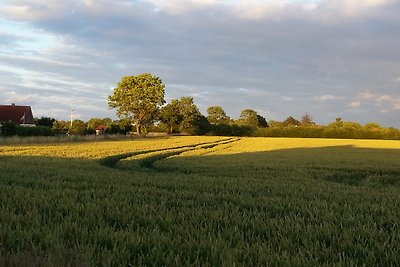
(101, 129)
(17, 114)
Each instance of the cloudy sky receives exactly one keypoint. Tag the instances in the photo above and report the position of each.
(330, 58)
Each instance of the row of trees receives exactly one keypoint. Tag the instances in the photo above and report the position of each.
(215, 123)
(121, 126)
(139, 101)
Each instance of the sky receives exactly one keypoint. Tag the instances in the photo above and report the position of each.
(329, 58)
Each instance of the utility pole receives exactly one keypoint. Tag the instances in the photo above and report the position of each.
(72, 115)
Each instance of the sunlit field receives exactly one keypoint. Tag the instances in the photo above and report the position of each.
(204, 201)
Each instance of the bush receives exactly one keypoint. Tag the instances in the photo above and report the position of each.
(34, 131)
(9, 129)
(328, 132)
(159, 128)
(116, 129)
(229, 130)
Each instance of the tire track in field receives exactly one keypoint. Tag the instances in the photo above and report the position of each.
(148, 162)
(112, 161)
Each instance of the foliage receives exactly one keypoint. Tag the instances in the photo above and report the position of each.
(114, 128)
(184, 116)
(275, 124)
(34, 131)
(216, 115)
(196, 125)
(337, 124)
(253, 202)
(262, 122)
(229, 130)
(159, 128)
(95, 122)
(372, 126)
(124, 125)
(138, 98)
(290, 121)
(248, 118)
(171, 115)
(351, 131)
(61, 127)
(45, 121)
(78, 127)
(251, 119)
(192, 118)
(307, 120)
(9, 128)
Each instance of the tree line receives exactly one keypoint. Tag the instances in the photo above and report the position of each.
(140, 99)
(141, 107)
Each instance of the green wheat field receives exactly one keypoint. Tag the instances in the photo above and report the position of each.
(201, 201)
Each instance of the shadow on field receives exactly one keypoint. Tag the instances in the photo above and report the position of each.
(341, 164)
(258, 209)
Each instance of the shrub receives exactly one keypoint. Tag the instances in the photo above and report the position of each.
(9, 129)
(34, 131)
(328, 132)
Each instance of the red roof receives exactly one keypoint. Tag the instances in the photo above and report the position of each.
(101, 127)
(17, 114)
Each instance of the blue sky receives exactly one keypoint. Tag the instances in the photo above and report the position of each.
(330, 58)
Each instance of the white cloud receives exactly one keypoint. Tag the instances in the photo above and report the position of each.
(355, 7)
(14, 97)
(37, 10)
(179, 7)
(34, 10)
(355, 104)
(328, 97)
(389, 102)
(256, 9)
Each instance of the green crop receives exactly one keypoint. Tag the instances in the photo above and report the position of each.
(203, 201)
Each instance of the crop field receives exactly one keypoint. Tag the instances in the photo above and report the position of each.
(202, 201)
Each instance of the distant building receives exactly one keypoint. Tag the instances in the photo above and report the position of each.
(17, 114)
(100, 130)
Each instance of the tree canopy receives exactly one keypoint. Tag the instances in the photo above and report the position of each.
(171, 115)
(252, 119)
(185, 115)
(45, 121)
(138, 98)
(307, 120)
(216, 115)
(290, 121)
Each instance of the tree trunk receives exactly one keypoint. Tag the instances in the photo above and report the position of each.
(171, 129)
(138, 128)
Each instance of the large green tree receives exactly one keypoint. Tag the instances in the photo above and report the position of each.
(171, 115)
(191, 115)
(252, 119)
(184, 114)
(216, 115)
(138, 99)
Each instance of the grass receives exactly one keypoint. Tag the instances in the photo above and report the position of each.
(208, 201)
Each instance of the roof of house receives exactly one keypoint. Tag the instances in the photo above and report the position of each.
(17, 114)
(101, 127)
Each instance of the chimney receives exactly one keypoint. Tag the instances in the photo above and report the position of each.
(13, 104)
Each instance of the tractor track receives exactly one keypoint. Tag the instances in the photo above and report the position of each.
(148, 162)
